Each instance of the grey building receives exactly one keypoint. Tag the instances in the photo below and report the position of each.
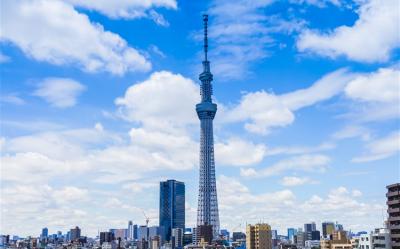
(393, 203)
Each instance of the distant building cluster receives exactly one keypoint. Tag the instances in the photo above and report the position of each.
(173, 234)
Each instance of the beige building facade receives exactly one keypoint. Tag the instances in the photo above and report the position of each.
(258, 236)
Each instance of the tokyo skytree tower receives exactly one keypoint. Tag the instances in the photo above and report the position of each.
(207, 210)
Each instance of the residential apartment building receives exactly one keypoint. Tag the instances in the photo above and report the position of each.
(258, 236)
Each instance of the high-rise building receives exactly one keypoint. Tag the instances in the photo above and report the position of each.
(258, 236)
(75, 233)
(130, 231)
(143, 233)
(299, 238)
(393, 203)
(172, 206)
(106, 237)
(309, 227)
(207, 210)
(45, 232)
(291, 232)
(327, 228)
(120, 233)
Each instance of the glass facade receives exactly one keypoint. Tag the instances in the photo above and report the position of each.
(172, 206)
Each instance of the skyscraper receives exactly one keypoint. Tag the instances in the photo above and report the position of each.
(75, 233)
(207, 210)
(45, 232)
(291, 233)
(172, 206)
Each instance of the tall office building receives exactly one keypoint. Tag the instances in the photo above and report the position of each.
(172, 207)
(106, 237)
(75, 233)
(130, 230)
(393, 202)
(291, 232)
(207, 210)
(258, 236)
(45, 232)
(309, 227)
(327, 228)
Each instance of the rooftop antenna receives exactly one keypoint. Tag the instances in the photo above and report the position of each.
(205, 20)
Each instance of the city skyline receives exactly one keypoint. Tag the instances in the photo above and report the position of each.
(97, 107)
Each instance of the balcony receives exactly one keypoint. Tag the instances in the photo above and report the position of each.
(394, 227)
(395, 235)
(394, 218)
(393, 202)
(392, 193)
(393, 210)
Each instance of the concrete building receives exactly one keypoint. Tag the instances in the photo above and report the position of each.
(309, 244)
(380, 238)
(258, 236)
(299, 238)
(177, 237)
(339, 241)
(364, 241)
(393, 203)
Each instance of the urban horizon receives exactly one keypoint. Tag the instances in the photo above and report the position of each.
(99, 127)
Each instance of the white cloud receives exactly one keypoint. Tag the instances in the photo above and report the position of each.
(351, 131)
(59, 92)
(381, 148)
(4, 58)
(238, 204)
(263, 110)
(375, 17)
(380, 86)
(238, 152)
(245, 40)
(308, 163)
(318, 3)
(12, 98)
(32, 167)
(53, 31)
(128, 9)
(173, 101)
(291, 181)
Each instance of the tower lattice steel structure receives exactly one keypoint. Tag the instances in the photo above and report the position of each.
(207, 211)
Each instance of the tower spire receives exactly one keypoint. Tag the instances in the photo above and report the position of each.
(205, 20)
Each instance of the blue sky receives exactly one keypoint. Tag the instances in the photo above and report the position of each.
(98, 105)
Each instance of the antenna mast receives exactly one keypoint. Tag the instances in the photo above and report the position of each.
(205, 20)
